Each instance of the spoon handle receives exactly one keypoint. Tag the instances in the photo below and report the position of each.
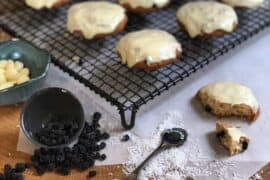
(160, 148)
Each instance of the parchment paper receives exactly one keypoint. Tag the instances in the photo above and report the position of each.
(248, 64)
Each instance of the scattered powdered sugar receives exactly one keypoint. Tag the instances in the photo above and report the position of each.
(175, 163)
(141, 148)
(172, 119)
(187, 161)
(111, 125)
(167, 165)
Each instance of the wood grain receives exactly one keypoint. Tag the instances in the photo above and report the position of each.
(264, 173)
(9, 133)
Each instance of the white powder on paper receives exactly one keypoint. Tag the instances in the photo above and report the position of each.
(176, 163)
(141, 148)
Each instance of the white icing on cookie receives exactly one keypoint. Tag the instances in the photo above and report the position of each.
(145, 3)
(232, 138)
(231, 93)
(39, 4)
(244, 3)
(235, 134)
(151, 45)
(95, 17)
(205, 17)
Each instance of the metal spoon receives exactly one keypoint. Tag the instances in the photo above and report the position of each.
(174, 137)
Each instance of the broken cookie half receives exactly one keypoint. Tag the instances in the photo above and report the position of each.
(229, 99)
(231, 138)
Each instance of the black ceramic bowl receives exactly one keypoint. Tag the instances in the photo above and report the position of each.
(50, 102)
(35, 59)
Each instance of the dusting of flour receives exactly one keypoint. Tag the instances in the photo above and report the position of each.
(175, 163)
(141, 148)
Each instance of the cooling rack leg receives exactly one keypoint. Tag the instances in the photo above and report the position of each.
(124, 120)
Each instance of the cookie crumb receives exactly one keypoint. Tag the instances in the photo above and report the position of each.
(110, 173)
(256, 177)
(76, 59)
(189, 178)
(66, 34)
(9, 154)
(125, 138)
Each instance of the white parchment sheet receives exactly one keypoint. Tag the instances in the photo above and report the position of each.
(248, 64)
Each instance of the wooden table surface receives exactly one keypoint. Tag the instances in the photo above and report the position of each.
(9, 133)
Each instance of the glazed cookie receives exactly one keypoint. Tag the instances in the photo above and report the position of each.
(40, 4)
(231, 138)
(207, 18)
(229, 99)
(244, 3)
(96, 19)
(143, 6)
(148, 49)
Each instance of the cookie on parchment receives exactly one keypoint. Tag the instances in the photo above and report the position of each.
(231, 138)
(229, 99)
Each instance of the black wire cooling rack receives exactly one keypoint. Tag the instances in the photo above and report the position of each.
(99, 67)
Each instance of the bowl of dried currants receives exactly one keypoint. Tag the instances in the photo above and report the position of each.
(52, 117)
